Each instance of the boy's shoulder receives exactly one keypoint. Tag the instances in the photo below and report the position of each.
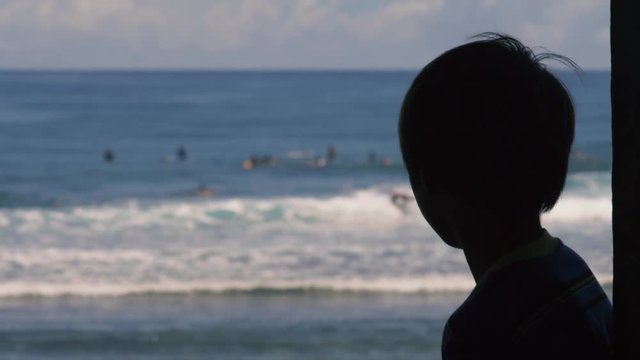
(545, 303)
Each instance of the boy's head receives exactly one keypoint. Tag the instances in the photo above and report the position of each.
(486, 124)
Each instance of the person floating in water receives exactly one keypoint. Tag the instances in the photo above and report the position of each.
(254, 161)
(266, 160)
(181, 153)
(485, 132)
(108, 155)
(203, 191)
(401, 201)
(250, 163)
(331, 154)
(371, 158)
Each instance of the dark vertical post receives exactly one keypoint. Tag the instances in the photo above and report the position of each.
(625, 104)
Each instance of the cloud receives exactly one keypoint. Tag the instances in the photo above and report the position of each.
(222, 23)
(309, 14)
(553, 36)
(487, 4)
(84, 15)
(400, 20)
(234, 23)
(76, 15)
(574, 28)
(285, 33)
(559, 19)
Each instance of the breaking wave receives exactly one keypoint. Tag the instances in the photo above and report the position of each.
(351, 242)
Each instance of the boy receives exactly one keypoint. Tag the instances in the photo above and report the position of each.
(485, 132)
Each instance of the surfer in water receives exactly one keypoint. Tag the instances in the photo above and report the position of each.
(204, 191)
(401, 201)
(371, 158)
(254, 161)
(181, 153)
(331, 154)
(108, 155)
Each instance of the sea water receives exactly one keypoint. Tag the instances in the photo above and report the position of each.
(290, 259)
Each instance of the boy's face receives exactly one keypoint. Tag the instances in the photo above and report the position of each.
(439, 209)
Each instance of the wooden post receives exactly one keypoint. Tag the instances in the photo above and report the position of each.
(625, 105)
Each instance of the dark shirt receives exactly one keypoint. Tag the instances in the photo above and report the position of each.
(544, 306)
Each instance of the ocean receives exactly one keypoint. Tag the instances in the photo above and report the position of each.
(158, 256)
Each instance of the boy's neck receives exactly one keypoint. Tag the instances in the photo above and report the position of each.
(488, 241)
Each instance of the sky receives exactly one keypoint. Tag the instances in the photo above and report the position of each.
(286, 34)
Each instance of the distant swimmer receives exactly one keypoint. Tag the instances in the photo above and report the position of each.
(181, 153)
(266, 160)
(108, 155)
(386, 161)
(248, 164)
(255, 161)
(331, 154)
(203, 191)
(251, 162)
(371, 158)
(401, 200)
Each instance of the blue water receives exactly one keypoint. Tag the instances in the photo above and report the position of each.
(56, 125)
(124, 260)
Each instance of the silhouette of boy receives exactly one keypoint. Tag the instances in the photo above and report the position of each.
(485, 132)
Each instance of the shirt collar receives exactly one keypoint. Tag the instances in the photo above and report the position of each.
(544, 245)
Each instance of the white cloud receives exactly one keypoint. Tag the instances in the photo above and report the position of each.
(487, 4)
(552, 36)
(301, 33)
(80, 15)
(234, 23)
(400, 20)
(308, 14)
(581, 6)
(237, 22)
(89, 15)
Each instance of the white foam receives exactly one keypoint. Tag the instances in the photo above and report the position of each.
(578, 209)
(357, 241)
(430, 284)
(363, 210)
(587, 198)
(371, 208)
(437, 283)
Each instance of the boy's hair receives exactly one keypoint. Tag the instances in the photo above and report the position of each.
(487, 124)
